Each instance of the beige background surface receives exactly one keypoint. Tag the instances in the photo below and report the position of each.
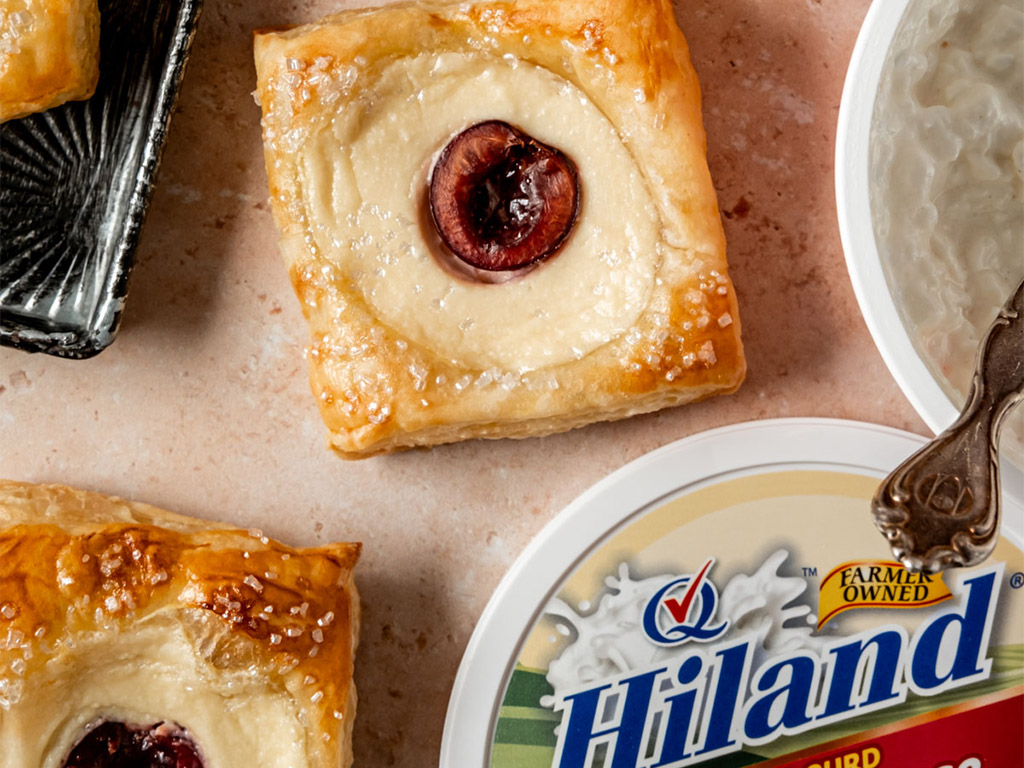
(202, 405)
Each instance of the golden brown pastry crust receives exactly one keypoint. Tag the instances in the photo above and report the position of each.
(631, 60)
(54, 58)
(79, 567)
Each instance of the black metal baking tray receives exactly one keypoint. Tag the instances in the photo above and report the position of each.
(75, 182)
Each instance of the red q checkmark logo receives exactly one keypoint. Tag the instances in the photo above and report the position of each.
(680, 609)
(698, 597)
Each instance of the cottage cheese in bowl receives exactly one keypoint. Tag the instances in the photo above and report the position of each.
(946, 165)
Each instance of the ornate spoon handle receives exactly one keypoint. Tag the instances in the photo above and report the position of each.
(940, 508)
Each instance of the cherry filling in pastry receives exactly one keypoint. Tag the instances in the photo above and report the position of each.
(500, 199)
(118, 745)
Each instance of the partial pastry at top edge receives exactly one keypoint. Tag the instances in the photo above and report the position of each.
(49, 54)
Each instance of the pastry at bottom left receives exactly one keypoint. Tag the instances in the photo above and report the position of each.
(134, 636)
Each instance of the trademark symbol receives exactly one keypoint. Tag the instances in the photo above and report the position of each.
(813, 571)
(1016, 581)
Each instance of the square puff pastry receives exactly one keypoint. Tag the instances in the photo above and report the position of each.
(49, 54)
(117, 611)
(636, 312)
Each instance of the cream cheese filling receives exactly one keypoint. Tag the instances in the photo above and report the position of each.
(364, 179)
(151, 673)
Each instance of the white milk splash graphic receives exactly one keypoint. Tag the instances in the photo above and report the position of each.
(611, 641)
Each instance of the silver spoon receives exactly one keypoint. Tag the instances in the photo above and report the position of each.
(940, 508)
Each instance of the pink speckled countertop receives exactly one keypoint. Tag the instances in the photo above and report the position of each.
(202, 403)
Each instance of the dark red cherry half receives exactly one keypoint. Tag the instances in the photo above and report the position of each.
(502, 200)
(118, 745)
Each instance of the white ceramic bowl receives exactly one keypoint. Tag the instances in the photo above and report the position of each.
(853, 186)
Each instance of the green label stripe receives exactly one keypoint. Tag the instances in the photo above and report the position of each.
(522, 719)
(1008, 658)
(530, 713)
(535, 733)
(521, 756)
(526, 688)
